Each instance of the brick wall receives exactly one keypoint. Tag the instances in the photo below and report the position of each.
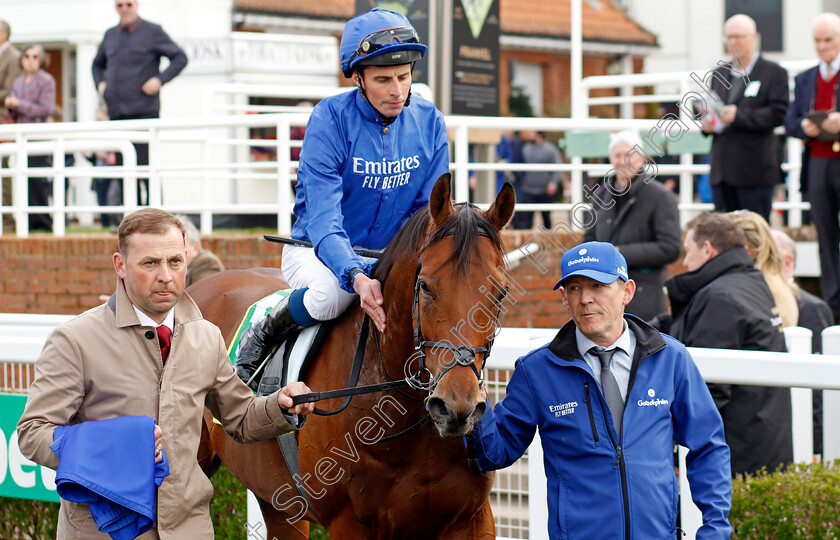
(44, 274)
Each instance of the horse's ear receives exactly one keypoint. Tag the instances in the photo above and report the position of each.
(440, 202)
(502, 208)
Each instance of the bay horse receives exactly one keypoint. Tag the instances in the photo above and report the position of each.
(379, 469)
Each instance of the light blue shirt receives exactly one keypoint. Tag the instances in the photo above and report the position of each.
(622, 359)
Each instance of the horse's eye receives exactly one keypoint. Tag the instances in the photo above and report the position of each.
(425, 288)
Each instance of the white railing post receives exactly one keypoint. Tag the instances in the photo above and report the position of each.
(690, 516)
(794, 158)
(129, 154)
(831, 401)
(59, 193)
(284, 177)
(20, 187)
(462, 159)
(155, 185)
(798, 340)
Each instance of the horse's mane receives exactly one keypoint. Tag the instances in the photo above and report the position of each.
(465, 226)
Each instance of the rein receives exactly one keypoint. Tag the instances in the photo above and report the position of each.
(463, 355)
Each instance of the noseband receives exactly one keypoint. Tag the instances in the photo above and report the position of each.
(462, 354)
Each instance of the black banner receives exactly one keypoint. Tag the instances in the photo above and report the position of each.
(475, 57)
(417, 12)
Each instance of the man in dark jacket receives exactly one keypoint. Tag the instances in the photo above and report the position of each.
(744, 161)
(610, 395)
(723, 302)
(640, 218)
(126, 72)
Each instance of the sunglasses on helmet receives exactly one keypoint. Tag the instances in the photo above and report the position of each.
(382, 38)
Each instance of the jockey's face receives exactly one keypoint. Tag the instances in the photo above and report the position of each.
(386, 87)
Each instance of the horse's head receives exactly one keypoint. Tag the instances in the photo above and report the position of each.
(458, 292)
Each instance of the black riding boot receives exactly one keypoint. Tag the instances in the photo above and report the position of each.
(259, 339)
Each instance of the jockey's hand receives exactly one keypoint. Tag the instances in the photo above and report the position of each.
(285, 395)
(158, 444)
(370, 296)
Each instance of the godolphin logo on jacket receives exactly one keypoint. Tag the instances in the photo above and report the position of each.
(652, 402)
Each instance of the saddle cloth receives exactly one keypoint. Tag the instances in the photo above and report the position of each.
(286, 361)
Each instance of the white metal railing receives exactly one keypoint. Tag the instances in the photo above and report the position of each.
(523, 485)
(206, 151)
(680, 85)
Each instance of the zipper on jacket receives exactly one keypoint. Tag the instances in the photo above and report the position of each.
(620, 465)
(589, 408)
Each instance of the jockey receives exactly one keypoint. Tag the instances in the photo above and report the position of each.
(368, 162)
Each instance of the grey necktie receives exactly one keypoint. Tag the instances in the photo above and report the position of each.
(610, 387)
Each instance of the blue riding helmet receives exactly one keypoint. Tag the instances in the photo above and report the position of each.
(379, 38)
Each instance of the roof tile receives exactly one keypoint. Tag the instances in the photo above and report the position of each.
(603, 20)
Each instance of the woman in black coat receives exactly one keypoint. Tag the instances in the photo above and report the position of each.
(638, 215)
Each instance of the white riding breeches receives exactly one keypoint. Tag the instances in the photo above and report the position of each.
(324, 300)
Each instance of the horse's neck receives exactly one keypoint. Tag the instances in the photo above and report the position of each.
(399, 297)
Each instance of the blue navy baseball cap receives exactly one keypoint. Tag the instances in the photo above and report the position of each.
(596, 260)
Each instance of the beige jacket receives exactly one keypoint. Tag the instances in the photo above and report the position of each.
(9, 71)
(103, 364)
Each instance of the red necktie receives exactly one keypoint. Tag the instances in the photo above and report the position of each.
(165, 339)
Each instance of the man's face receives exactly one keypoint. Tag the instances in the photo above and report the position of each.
(597, 309)
(386, 87)
(826, 41)
(127, 10)
(740, 40)
(695, 255)
(154, 271)
(626, 164)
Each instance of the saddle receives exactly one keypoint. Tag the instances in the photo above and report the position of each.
(291, 358)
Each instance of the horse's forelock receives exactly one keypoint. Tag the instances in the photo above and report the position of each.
(466, 227)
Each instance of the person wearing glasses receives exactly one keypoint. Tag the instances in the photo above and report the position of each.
(744, 161)
(127, 75)
(33, 100)
(369, 160)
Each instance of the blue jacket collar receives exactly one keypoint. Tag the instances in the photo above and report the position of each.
(648, 341)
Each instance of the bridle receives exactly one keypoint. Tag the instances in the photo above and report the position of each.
(462, 354)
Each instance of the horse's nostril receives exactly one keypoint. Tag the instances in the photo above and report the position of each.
(438, 409)
(480, 409)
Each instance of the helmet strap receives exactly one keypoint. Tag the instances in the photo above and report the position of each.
(386, 120)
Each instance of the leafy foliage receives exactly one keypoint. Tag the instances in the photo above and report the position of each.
(799, 502)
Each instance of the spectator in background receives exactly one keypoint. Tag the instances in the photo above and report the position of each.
(108, 190)
(200, 262)
(126, 72)
(504, 154)
(538, 186)
(10, 67)
(767, 258)
(33, 100)
(744, 160)
(723, 302)
(815, 315)
(816, 90)
(641, 220)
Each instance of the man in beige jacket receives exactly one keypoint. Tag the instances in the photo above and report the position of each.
(107, 363)
(9, 61)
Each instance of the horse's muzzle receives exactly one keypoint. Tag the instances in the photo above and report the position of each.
(455, 422)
